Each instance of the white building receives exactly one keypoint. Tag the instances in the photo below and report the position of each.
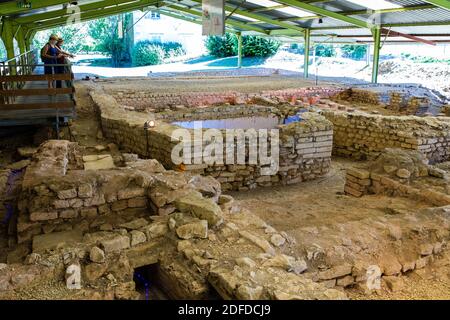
(160, 28)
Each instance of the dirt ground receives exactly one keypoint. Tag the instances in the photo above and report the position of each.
(321, 203)
(209, 84)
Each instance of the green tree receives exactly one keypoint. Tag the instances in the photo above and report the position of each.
(76, 38)
(108, 39)
(222, 47)
(325, 50)
(353, 51)
(2, 51)
(252, 46)
(150, 53)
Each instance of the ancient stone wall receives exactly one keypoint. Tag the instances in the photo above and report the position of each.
(361, 135)
(58, 195)
(305, 150)
(446, 110)
(398, 172)
(158, 101)
(393, 100)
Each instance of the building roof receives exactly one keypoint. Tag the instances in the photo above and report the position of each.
(348, 21)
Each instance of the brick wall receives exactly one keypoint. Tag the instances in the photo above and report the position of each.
(305, 151)
(158, 101)
(361, 136)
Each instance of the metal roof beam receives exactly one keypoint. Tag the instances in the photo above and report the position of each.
(261, 18)
(11, 7)
(83, 9)
(88, 16)
(240, 25)
(361, 12)
(444, 4)
(326, 13)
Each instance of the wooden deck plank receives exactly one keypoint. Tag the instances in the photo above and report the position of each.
(36, 92)
(38, 105)
(37, 77)
(35, 103)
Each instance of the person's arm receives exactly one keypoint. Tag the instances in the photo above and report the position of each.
(66, 54)
(45, 55)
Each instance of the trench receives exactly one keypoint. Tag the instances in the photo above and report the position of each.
(152, 283)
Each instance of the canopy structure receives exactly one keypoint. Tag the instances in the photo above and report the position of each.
(349, 21)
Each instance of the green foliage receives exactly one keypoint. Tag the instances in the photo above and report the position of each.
(325, 50)
(2, 51)
(105, 33)
(222, 47)
(298, 48)
(151, 53)
(422, 59)
(252, 46)
(76, 38)
(352, 51)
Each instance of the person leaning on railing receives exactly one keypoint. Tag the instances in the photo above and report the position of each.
(49, 56)
(62, 60)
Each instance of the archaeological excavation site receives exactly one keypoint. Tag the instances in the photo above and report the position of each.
(227, 184)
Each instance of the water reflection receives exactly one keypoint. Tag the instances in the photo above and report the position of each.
(259, 122)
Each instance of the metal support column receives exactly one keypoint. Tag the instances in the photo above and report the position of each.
(8, 41)
(376, 53)
(20, 38)
(307, 50)
(239, 36)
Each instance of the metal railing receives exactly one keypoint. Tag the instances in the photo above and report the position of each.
(14, 76)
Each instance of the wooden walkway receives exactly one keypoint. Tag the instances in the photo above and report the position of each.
(27, 100)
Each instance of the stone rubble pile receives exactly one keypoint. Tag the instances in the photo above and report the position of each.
(198, 240)
(394, 173)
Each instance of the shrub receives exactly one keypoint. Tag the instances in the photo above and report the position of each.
(222, 47)
(352, 51)
(147, 53)
(254, 46)
(325, 50)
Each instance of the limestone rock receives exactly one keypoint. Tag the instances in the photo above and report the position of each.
(93, 271)
(390, 265)
(137, 237)
(155, 230)
(394, 283)
(335, 272)
(26, 152)
(117, 243)
(56, 240)
(426, 249)
(19, 165)
(395, 232)
(33, 258)
(403, 173)
(135, 224)
(191, 230)
(98, 162)
(97, 255)
(208, 186)
(246, 262)
(277, 240)
(287, 263)
(205, 209)
(260, 242)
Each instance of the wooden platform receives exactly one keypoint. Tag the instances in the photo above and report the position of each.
(27, 100)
